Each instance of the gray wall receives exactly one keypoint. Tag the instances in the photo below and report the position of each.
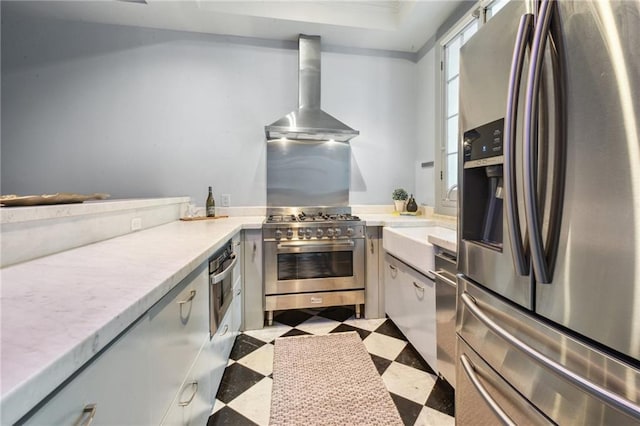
(142, 113)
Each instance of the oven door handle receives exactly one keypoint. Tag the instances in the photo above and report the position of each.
(215, 279)
(328, 244)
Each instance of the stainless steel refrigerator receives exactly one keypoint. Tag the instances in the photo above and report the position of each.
(548, 304)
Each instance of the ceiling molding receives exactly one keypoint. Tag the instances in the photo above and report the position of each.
(362, 25)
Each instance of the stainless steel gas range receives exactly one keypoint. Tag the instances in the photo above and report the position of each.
(313, 257)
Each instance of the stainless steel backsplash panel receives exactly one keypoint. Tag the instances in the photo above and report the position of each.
(308, 173)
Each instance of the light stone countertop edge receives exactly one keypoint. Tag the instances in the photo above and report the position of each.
(401, 221)
(450, 244)
(60, 211)
(43, 343)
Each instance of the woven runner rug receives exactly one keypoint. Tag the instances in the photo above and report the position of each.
(328, 380)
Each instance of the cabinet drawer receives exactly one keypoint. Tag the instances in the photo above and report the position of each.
(421, 309)
(179, 323)
(193, 403)
(410, 303)
(395, 281)
(218, 350)
(116, 383)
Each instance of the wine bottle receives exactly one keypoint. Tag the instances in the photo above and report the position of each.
(211, 205)
(412, 206)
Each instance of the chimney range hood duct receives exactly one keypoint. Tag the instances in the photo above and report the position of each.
(309, 122)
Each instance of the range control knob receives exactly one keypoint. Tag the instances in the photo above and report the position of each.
(289, 233)
(337, 232)
(308, 233)
(350, 231)
(330, 232)
(319, 233)
(278, 234)
(300, 233)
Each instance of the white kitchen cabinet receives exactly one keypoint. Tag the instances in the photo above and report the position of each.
(192, 403)
(179, 324)
(236, 307)
(253, 292)
(410, 302)
(149, 373)
(116, 382)
(374, 290)
(136, 378)
(238, 278)
(238, 249)
(217, 350)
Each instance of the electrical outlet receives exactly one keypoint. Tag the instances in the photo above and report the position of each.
(136, 223)
(226, 200)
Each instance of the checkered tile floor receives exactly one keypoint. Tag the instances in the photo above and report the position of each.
(244, 396)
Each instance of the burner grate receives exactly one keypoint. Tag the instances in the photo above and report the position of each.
(315, 217)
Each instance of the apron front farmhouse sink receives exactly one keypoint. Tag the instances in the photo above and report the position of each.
(412, 246)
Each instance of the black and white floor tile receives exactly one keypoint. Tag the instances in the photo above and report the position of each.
(244, 396)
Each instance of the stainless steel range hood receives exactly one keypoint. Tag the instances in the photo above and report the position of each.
(309, 122)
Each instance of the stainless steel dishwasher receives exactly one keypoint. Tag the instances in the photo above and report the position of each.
(445, 274)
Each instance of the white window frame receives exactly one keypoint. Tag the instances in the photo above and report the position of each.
(481, 12)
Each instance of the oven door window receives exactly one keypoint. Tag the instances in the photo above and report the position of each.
(302, 266)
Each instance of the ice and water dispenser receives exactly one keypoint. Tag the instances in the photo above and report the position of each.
(482, 192)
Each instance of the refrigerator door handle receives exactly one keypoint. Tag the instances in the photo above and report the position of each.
(471, 374)
(513, 217)
(534, 228)
(597, 391)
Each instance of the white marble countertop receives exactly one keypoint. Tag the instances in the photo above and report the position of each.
(60, 310)
(396, 220)
(57, 211)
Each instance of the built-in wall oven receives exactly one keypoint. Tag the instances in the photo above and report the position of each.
(221, 266)
(313, 260)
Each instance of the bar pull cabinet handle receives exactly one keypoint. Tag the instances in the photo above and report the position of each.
(194, 385)
(87, 415)
(226, 329)
(371, 246)
(511, 117)
(418, 286)
(440, 275)
(192, 294)
(532, 214)
(484, 393)
(561, 371)
(393, 268)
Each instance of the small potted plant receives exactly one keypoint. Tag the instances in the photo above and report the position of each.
(399, 196)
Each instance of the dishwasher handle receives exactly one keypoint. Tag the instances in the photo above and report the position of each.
(442, 275)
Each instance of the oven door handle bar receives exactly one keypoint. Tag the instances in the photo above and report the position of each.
(224, 274)
(314, 244)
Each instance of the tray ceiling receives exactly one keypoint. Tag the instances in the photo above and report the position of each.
(399, 25)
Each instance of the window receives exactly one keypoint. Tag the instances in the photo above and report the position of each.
(495, 8)
(446, 194)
